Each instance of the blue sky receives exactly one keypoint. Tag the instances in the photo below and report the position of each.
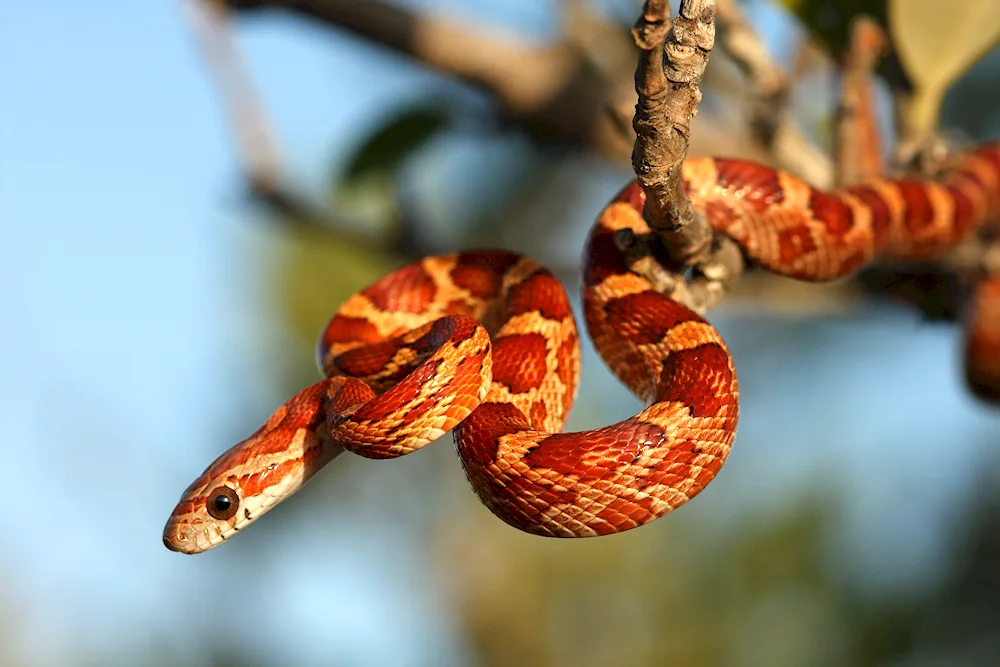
(123, 261)
(131, 278)
(130, 287)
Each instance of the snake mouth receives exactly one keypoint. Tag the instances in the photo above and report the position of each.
(168, 543)
(189, 538)
(177, 539)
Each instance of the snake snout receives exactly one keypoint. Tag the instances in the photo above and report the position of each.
(176, 538)
(186, 537)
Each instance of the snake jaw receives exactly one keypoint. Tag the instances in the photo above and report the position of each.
(187, 539)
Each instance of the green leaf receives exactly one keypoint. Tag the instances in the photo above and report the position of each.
(395, 140)
(937, 42)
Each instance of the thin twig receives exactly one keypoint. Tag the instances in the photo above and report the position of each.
(857, 144)
(258, 148)
(711, 278)
(255, 140)
(769, 89)
(671, 63)
(714, 276)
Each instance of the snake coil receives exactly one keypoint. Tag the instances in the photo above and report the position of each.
(484, 343)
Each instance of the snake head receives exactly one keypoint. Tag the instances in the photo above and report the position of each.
(253, 476)
(210, 511)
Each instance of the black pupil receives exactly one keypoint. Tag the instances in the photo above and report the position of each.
(222, 503)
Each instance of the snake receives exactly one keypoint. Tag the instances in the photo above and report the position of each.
(484, 343)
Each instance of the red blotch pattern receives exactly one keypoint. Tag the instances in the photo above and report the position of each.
(753, 183)
(919, 213)
(344, 395)
(720, 214)
(645, 318)
(540, 292)
(407, 290)
(832, 212)
(481, 282)
(366, 361)
(478, 436)
(793, 243)
(519, 361)
(612, 446)
(604, 259)
(881, 214)
(343, 329)
(539, 413)
(963, 215)
(481, 272)
(699, 378)
(374, 363)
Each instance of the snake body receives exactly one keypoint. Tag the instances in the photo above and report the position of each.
(982, 347)
(484, 343)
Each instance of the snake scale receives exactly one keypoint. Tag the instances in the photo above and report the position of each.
(484, 344)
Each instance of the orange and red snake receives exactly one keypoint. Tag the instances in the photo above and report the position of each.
(484, 343)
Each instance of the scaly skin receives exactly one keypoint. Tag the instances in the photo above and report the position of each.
(485, 343)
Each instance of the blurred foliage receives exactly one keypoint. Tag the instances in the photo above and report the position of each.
(654, 597)
(316, 273)
(679, 595)
(935, 43)
(938, 44)
(973, 103)
(829, 21)
(396, 138)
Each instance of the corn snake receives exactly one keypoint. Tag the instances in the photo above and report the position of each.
(484, 343)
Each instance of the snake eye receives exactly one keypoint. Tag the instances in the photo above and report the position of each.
(222, 502)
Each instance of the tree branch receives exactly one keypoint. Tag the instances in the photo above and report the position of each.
(547, 89)
(672, 62)
(857, 143)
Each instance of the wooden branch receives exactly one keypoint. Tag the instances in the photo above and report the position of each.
(857, 143)
(547, 89)
(671, 63)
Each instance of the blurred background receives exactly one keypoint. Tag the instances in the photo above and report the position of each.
(156, 309)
